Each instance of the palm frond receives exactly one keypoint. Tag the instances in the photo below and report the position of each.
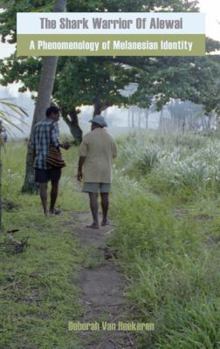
(10, 112)
(11, 123)
(10, 116)
(17, 109)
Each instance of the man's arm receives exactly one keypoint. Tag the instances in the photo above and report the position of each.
(83, 150)
(80, 166)
(55, 139)
(55, 136)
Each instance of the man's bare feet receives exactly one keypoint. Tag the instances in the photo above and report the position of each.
(105, 222)
(93, 226)
(55, 212)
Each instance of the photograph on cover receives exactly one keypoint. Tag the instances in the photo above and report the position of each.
(109, 174)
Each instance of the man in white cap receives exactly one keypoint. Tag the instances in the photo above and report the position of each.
(97, 151)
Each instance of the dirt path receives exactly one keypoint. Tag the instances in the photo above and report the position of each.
(102, 287)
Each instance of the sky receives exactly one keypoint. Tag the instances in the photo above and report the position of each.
(210, 7)
(212, 10)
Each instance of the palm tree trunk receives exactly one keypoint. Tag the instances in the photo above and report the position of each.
(45, 89)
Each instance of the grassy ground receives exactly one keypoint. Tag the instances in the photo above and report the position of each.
(167, 209)
(166, 204)
(38, 294)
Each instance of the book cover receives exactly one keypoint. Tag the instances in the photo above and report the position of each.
(109, 174)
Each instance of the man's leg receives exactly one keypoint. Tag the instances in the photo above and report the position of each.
(53, 195)
(93, 197)
(43, 196)
(41, 177)
(105, 207)
(54, 176)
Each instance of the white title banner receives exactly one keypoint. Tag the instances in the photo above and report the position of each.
(110, 23)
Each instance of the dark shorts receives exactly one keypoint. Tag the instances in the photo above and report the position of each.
(44, 176)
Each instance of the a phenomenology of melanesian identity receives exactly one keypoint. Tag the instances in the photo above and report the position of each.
(116, 45)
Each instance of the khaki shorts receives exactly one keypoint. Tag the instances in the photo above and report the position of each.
(96, 187)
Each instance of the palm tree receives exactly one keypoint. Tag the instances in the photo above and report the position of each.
(45, 89)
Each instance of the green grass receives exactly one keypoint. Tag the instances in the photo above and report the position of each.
(168, 242)
(38, 290)
(166, 206)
